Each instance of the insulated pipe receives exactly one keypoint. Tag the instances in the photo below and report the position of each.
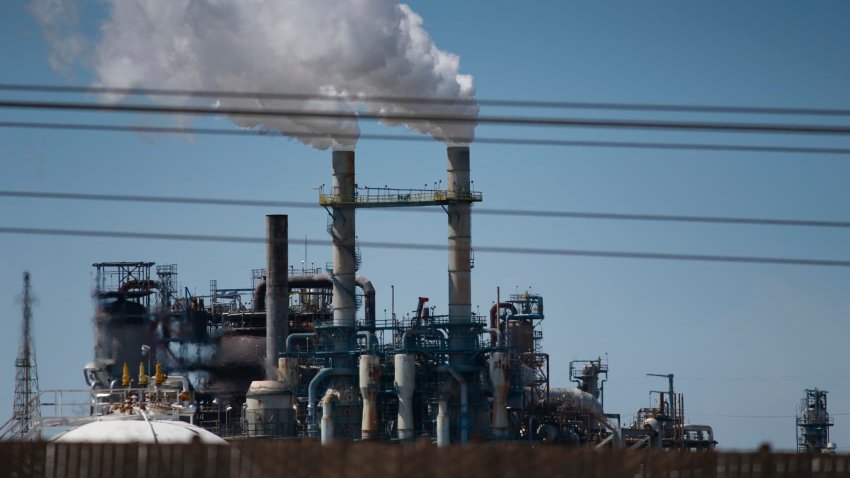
(312, 427)
(327, 428)
(425, 332)
(344, 261)
(311, 400)
(370, 377)
(369, 300)
(184, 382)
(299, 335)
(500, 378)
(464, 404)
(371, 338)
(405, 381)
(459, 245)
(495, 337)
(324, 281)
(277, 290)
(494, 314)
(443, 422)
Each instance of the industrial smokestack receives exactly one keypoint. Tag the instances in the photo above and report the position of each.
(460, 243)
(344, 260)
(277, 289)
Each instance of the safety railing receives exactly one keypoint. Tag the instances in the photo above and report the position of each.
(389, 197)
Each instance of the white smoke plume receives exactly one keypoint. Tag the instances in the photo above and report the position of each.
(346, 48)
(60, 21)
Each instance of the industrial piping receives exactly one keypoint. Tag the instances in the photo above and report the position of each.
(311, 400)
(277, 289)
(370, 378)
(312, 428)
(500, 378)
(324, 281)
(497, 330)
(327, 429)
(464, 404)
(405, 382)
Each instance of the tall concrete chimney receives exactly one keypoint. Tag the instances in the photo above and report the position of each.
(460, 243)
(277, 289)
(344, 264)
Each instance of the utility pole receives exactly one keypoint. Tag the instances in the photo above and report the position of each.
(27, 407)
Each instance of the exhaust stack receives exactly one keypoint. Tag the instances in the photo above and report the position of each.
(460, 243)
(344, 260)
(277, 289)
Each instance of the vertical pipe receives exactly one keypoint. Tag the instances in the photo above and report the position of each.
(501, 380)
(464, 404)
(405, 381)
(327, 427)
(459, 244)
(312, 428)
(344, 262)
(443, 422)
(370, 376)
(277, 289)
(499, 325)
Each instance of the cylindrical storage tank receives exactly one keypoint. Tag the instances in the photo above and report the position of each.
(268, 409)
(370, 377)
(405, 381)
(521, 336)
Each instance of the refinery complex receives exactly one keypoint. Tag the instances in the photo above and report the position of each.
(300, 354)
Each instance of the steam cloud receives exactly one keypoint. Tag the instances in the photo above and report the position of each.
(350, 49)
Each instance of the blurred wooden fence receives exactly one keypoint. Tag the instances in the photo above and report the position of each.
(296, 459)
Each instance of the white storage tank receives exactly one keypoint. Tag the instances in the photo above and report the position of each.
(268, 409)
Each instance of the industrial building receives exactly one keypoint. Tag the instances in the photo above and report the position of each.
(813, 423)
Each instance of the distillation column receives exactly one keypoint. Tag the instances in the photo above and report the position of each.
(277, 289)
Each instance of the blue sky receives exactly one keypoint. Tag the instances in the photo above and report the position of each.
(743, 340)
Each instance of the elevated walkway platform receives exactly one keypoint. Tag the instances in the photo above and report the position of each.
(389, 197)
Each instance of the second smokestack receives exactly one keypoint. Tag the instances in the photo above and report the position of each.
(277, 289)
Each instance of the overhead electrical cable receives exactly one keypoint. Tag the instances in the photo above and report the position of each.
(476, 211)
(686, 108)
(421, 138)
(433, 247)
(491, 120)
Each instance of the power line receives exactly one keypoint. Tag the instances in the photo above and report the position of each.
(436, 101)
(408, 138)
(753, 416)
(432, 247)
(491, 120)
(476, 211)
